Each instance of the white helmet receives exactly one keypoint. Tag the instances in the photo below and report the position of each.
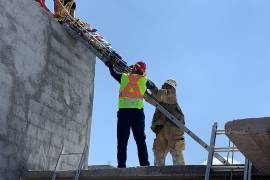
(171, 82)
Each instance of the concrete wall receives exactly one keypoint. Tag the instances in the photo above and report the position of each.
(46, 91)
(252, 138)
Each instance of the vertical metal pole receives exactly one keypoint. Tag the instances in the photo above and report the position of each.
(55, 168)
(233, 153)
(211, 152)
(246, 169)
(249, 170)
(228, 153)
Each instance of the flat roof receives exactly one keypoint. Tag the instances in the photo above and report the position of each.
(188, 172)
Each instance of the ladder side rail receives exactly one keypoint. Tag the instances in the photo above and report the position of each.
(211, 152)
(58, 159)
(80, 166)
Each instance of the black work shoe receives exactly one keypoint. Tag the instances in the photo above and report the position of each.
(145, 165)
(121, 166)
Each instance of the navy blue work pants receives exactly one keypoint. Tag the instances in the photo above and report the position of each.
(133, 119)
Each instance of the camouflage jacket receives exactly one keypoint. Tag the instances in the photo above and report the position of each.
(167, 98)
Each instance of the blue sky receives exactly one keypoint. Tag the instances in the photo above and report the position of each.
(218, 51)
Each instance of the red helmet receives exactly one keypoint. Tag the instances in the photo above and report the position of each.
(140, 66)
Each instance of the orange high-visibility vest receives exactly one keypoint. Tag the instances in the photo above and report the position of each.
(132, 90)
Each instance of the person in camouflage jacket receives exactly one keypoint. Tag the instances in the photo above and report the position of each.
(169, 138)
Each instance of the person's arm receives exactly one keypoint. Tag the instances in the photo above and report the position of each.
(167, 96)
(158, 94)
(114, 74)
(150, 85)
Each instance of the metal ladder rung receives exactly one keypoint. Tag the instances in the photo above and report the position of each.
(228, 170)
(80, 166)
(226, 149)
(220, 132)
(228, 167)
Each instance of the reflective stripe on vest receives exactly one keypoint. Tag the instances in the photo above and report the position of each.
(132, 90)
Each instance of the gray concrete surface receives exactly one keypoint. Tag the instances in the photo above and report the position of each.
(46, 91)
(252, 137)
(192, 172)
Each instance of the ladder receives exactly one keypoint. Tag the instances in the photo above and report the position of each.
(231, 148)
(80, 166)
(106, 53)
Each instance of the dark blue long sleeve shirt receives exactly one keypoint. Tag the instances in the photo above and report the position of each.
(117, 77)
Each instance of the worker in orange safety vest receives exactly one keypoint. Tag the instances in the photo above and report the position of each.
(131, 111)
